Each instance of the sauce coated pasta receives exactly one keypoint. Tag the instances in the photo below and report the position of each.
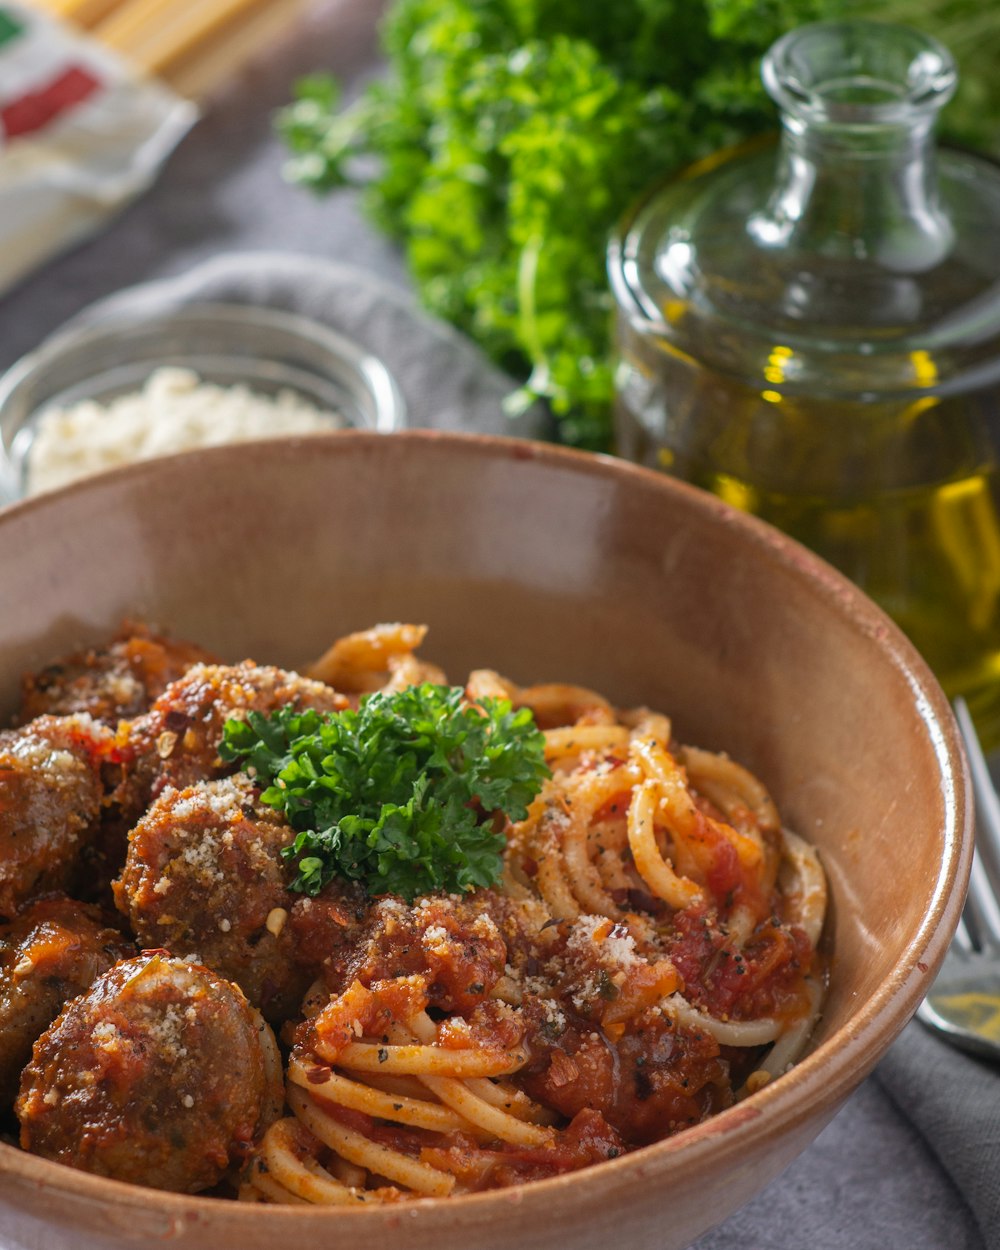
(643, 955)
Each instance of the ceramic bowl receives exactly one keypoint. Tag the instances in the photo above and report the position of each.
(544, 564)
(111, 349)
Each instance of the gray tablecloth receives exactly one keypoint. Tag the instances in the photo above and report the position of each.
(870, 1181)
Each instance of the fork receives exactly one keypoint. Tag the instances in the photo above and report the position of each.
(964, 1002)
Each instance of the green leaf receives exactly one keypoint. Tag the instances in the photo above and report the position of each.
(399, 794)
(511, 136)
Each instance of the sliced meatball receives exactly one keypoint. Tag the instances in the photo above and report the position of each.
(162, 1074)
(176, 743)
(51, 795)
(204, 876)
(53, 950)
(111, 683)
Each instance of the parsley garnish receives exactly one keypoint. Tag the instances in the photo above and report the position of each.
(399, 794)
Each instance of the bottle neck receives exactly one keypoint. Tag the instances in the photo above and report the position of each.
(856, 178)
(866, 194)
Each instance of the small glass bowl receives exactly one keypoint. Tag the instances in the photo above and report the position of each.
(266, 349)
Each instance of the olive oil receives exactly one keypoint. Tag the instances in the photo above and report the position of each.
(904, 498)
(930, 556)
(811, 330)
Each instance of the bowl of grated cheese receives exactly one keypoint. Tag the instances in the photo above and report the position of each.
(118, 389)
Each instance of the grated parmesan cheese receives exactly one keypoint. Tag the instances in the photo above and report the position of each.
(167, 1032)
(203, 858)
(174, 411)
(225, 798)
(616, 948)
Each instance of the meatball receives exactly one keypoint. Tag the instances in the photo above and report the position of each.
(51, 951)
(111, 683)
(451, 941)
(51, 795)
(176, 743)
(204, 876)
(162, 1074)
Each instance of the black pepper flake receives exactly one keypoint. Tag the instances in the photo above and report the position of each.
(383, 1054)
(606, 988)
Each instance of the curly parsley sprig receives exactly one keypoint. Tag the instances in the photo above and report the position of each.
(510, 137)
(399, 794)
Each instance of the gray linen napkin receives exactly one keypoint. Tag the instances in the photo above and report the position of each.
(953, 1100)
(869, 1182)
(445, 380)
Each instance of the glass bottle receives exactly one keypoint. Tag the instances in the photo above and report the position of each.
(810, 328)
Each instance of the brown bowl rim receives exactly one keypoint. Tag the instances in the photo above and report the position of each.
(835, 1068)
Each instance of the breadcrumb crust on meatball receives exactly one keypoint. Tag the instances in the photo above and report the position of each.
(52, 950)
(161, 1074)
(52, 799)
(204, 876)
(176, 743)
(112, 682)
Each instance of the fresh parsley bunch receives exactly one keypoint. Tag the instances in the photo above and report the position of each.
(399, 794)
(510, 137)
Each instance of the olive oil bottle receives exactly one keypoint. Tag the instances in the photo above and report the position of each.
(810, 328)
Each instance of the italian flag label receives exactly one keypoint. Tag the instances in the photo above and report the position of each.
(40, 81)
(9, 28)
(36, 109)
(82, 133)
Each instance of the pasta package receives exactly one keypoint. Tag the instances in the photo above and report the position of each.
(82, 133)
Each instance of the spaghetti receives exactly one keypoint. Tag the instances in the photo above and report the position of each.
(649, 959)
(647, 956)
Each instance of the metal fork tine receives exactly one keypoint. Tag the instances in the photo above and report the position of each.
(984, 886)
(962, 942)
(982, 906)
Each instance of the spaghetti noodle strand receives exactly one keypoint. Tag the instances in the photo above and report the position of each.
(653, 918)
(365, 1098)
(375, 1158)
